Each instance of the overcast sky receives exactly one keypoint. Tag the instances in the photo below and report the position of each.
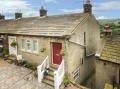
(102, 9)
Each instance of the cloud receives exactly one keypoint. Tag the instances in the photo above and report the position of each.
(51, 1)
(31, 13)
(13, 5)
(71, 10)
(102, 17)
(106, 6)
(9, 7)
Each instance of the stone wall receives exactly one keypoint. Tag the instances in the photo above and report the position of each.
(88, 72)
(75, 55)
(44, 42)
(91, 29)
(105, 71)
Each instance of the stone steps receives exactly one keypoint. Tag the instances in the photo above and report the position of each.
(54, 67)
(48, 82)
(51, 73)
(49, 77)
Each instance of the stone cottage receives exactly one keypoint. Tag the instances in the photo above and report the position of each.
(108, 63)
(70, 39)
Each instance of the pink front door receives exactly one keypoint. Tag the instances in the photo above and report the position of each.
(57, 57)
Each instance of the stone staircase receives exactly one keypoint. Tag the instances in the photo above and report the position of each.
(49, 77)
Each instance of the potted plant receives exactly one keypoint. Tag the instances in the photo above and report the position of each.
(42, 50)
(46, 69)
(66, 81)
(63, 52)
(14, 43)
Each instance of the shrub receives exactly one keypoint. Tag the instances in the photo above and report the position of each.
(31, 66)
(42, 50)
(28, 65)
(14, 43)
(10, 61)
(66, 80)
(63, 52)
(5, 51)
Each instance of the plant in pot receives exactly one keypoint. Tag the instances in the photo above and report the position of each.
(13, 44)
(66, 81)
(63, 52)
(42, 50)
(46, 70)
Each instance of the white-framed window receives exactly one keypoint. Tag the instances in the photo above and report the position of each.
(35, 46)
(23, 43)
(28, 45)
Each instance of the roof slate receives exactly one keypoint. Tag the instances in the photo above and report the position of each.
(58, 25)
(111, 50)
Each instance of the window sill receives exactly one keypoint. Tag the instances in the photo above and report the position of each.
(30, 52)
(22, 49)
(35, 52)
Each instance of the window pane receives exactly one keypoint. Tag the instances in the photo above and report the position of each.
(34, 45)
(23, 43)
(28, 45)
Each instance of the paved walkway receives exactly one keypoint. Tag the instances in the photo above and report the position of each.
(15, 77)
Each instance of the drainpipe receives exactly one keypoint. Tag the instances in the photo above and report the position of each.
(114, 81)
(66, 56)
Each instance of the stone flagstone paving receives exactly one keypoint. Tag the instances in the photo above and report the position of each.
(16, 77)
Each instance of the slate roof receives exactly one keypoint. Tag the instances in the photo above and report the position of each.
(111, 50)
(58, 25)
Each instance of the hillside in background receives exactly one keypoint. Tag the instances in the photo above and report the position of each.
(109, 21)
(113, 23)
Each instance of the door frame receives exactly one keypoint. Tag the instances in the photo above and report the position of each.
(12, 37)
(52, 53)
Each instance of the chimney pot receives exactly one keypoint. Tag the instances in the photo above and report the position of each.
(2, 17)
(43, 12)
(87, 6)
(18, 15)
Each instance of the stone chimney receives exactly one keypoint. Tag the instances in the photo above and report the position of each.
(18, 15)
(43, 12)
(87, 6)
(2, 17)
(107, 31)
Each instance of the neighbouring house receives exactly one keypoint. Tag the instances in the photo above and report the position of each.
(67, 41)
(108, 63)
